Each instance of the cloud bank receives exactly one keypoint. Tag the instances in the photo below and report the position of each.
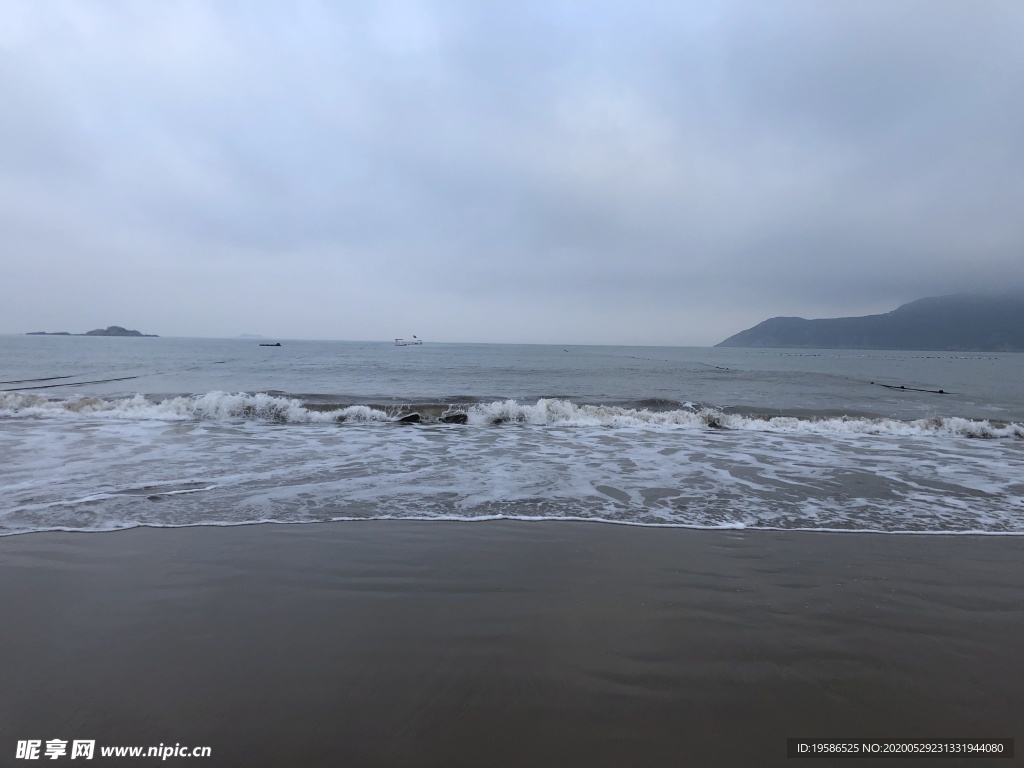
(661, 173)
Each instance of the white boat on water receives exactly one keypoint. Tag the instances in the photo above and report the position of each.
(408, 343)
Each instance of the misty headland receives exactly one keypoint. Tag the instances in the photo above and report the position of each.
(958, 323)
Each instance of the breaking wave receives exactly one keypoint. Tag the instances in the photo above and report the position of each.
(223, 406)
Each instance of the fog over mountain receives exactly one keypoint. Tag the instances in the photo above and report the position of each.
(646, 173)
(952, 323)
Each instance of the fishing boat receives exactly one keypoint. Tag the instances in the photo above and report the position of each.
(408, 342)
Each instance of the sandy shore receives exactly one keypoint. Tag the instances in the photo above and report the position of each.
(494, 644)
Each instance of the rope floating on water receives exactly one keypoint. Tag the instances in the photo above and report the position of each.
(914, 389)
(72, 384)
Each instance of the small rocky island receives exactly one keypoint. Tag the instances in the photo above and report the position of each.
(111, 330)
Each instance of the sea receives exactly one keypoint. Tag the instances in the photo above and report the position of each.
(99, 434)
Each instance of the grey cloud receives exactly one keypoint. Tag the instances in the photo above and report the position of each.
(668, 174)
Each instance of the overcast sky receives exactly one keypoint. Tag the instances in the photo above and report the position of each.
(567, 172)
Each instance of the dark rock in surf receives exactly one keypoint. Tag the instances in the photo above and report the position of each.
(455, 418)
(714, 421)
(412, 418)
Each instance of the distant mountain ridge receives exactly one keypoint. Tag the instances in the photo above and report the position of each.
(957, 323)
(110, 330)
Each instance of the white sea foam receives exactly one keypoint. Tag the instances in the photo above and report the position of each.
(107, 473)
(129, 524)
(565, 413)
(212, 406)
(223, 406)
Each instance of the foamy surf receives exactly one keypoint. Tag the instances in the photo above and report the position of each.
(103, 473)
(277, 409)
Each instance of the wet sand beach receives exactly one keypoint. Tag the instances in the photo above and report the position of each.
(506, 643)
